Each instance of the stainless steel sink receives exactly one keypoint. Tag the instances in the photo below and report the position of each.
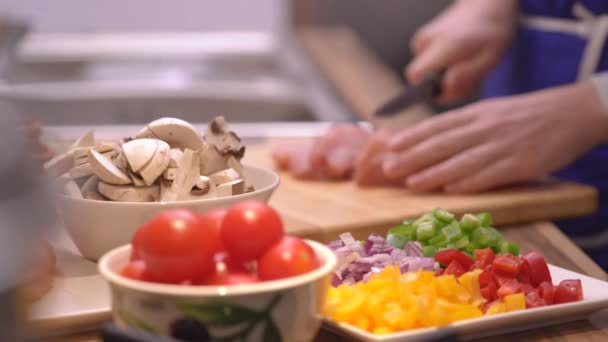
(118, 85)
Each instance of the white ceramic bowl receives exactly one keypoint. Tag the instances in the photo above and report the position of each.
(274, 311)
(99, 226)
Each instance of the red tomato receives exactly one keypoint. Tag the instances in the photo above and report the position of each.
(213, 220)
(545, 290)
(446, 257)
(288, 258)
(540, 270)
(506, 265)
(488, 286)
(510, 287)
(439, 272)
(525, 272)
(176, 247)
(568, 291)
(455, 268)
(135, 270)
(230, 278)
(249, 229)
(483, 258)
(534, 300)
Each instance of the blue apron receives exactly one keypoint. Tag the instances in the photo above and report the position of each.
(540, 59)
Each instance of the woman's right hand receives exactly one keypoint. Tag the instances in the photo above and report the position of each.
(466, 41)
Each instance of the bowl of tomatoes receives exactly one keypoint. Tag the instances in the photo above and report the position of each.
(230, 275)
(99, 226)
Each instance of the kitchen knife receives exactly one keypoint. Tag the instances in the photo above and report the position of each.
(422, 93)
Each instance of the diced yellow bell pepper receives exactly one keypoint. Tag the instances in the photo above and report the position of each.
(496, 308)
(382, 330)
(515, 302)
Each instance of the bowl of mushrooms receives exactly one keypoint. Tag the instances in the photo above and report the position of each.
(106, 191)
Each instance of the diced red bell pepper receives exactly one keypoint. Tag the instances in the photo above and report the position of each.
(506, 265)
(455, 268)
(488, 285)
(483, 258)
(510, 287)
(546, 291)
(568, 291)
(540, 269)
(448, 255)
(534, 300)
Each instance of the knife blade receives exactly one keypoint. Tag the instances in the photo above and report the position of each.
(422, 93)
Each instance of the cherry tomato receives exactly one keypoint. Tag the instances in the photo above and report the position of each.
(135, 270)
(534, 300)
(545, 290)
(439, 272)
(229, 278)
(213, 220)
(288, 258)
(483, 258)
(525, 272)
(506, 265)
(176, 246)
(539, 267)
(455, 268)
(568, 291)
(249, 229)
(448, 255)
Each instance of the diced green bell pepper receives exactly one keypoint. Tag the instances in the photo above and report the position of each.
(486, 237)
(443, 215)
(438, 240)
(426, 230)
(469, 223)
(452, 231)
(407, 231)
(485, 219)
(508, 247)
(460, 243)
(429, 251)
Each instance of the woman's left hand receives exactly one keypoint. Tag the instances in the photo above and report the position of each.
(499, 141)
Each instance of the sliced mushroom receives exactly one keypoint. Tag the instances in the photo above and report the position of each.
(157, 165)
(93, 195)
(85, 140)
(212, 160)
(175, 132)
(139, 152)
(235, 187)
(136, 179)
(176, 155)
(224, 176)
(238, 167)
(130, 193)
(106, 170)
(85, 159)
(79, 171)
(226, 141)
(81, 152)
(90, 185)
(120, 160)
(188, 174)
(170, 173)
(71, 189)
(59, 165)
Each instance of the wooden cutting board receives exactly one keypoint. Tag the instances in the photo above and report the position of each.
(322, 210)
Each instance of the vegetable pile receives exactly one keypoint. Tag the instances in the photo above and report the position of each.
(239, 245)
(385, 286)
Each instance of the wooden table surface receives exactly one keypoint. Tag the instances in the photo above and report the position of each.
(558, 250)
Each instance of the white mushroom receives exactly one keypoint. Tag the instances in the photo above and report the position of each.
(224, 176)
(90, 185)
(120, 160)
(79, 171)
(59, 165)
(157, 165)
(71, 189)
(85, 159)
(93, 195)
(130, 193)
(106, 170)
(175, 132)
(176, 155)
(139, 152)
(170, 173)
(226, 141)
(211, 160)
(85, 140)
(188, 174)
(136, 179)
(235, 187)
(81, 152)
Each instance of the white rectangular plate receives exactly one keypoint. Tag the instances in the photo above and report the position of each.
(595, 298)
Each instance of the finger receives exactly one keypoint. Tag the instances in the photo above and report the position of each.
(421, 40)
(461, 79)
(501, 172)
(455, 168)
(368, 167)
(434, 150)
(433, 58)
(428, 128)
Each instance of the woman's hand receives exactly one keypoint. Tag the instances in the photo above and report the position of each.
(466, 40)
(499, 141)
